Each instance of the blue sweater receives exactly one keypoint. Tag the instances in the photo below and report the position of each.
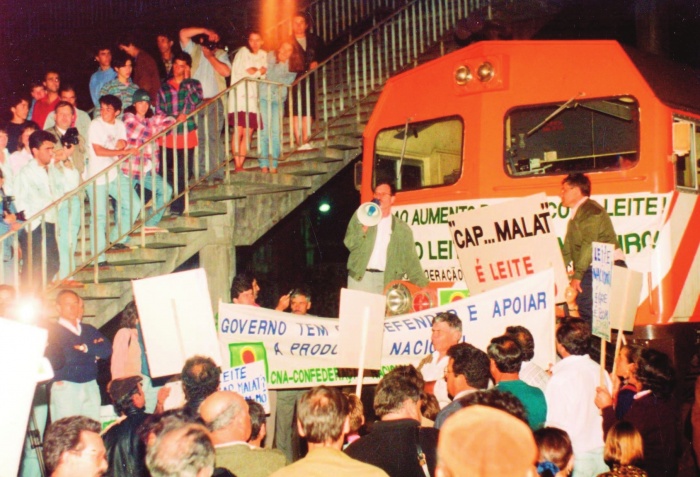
(73, 365)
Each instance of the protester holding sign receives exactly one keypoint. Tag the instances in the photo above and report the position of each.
(589, 223)
(383, 252)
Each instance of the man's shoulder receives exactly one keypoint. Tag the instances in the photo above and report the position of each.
(269, 458)
(591, 208)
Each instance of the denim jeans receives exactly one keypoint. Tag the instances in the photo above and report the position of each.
(68, 229)
(161, 195)
(270, 141)
(120, 188)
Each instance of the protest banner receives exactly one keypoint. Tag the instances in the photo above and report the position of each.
(176, 319)
(21, 350)
(249, 381)
(301, 351)
(601, 271)
(505, 242)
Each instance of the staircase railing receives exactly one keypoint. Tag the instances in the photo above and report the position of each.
(342, 80)
(331, 18)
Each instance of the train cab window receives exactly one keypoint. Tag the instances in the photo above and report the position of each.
(686, 149)
(572, 136)
(418, 155)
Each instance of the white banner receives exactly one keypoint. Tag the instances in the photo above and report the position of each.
(301, 351)
(602, 269)
(637, 219)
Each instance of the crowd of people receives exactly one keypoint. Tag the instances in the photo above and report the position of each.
(49, 147)
(497, 402)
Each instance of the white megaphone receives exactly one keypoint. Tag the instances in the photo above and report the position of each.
(369, 213)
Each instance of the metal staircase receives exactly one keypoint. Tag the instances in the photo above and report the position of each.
(222, 215)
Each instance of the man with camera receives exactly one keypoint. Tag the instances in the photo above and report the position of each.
(81, 119)
(211, 67)
(70, 153)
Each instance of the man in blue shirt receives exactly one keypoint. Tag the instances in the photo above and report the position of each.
(104, 74)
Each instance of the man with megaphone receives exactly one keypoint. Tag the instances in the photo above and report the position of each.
(381, 245)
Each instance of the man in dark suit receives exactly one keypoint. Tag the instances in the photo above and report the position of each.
(589, 223)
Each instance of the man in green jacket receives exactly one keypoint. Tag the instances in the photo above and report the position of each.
(384, 252)
(589, 223)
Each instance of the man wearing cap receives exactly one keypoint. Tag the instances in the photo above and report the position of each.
(142, 126)
(125, 450)
(384, 252)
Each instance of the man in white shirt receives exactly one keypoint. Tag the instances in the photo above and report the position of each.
(37, 185)
(571, 395)
(71, 157)
(530, 372)
(211, 68)
(107, 142)
(446, 332)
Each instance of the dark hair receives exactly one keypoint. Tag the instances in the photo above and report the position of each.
(655, 372)
(385, 181)
(182, 56)
(36, 83)
(579, 180)
(39, 137)
(470, 362)
(125, 404)
(64, 435)
(449, 317)
(506, 354)
(101, 47)
(62, 104)
(15, 99)
(182, 451)
(321, 412)
(554, 446)
(132, 109)
(429, 406)
(51, 70)
(574, 334)
(257, 418)
(130, 316)
(356, 411)
(66, 87)
(22, 129)
(119, 59)
(399, 384)
(166, 34)
(111, 100)
(200, 378)
(127, 39)
(241, 284)
(502, 400)
(524, 338)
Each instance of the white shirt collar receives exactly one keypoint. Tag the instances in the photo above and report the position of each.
(69, 326)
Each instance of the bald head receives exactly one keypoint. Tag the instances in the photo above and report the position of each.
(226, 415)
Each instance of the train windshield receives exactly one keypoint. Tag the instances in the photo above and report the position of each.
(418, 155)
(572, 136)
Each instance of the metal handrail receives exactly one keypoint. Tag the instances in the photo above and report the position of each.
(344, 80)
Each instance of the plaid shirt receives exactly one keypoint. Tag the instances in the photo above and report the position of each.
(121, 91)
(138, 132)
(173, 102)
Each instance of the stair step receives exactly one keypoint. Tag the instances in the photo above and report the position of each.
(184, 229)
(104, 279)
(206, 212)
(164, 245)
(133, 261)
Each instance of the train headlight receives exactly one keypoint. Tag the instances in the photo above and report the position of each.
(422, 301)
(463, 75)
(398, 299)
(485, 72)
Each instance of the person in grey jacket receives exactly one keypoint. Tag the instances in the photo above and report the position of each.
(384, 252)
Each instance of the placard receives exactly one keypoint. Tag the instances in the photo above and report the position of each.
(361, 329)
(249, 381)
(601, 270)
(504, 242)
(176, 319)
(21, 354)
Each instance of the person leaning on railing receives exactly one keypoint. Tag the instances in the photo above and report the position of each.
(142, 125)
(178, 97)
(272, 98)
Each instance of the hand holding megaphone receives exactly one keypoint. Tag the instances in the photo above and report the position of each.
(369, 214)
